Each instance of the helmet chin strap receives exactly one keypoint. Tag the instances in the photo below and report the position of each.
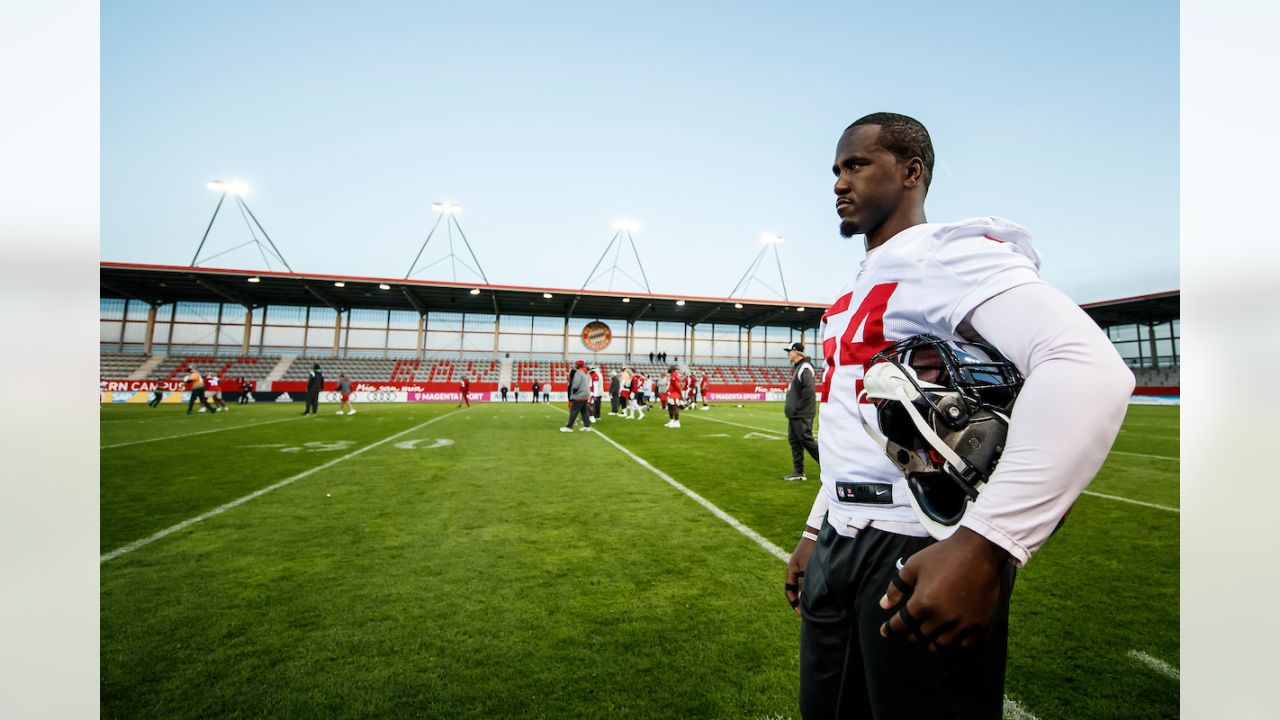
(889, 381)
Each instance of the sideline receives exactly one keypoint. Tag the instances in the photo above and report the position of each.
(199, 432)
(258, 493)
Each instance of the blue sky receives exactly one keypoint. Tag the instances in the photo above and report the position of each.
(709, 123)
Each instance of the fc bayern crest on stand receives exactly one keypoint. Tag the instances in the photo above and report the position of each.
(596, 336)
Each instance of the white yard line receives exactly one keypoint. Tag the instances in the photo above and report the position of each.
(1145, 455)
(1012, 710)
(1132, 502)
(198, 432)
(258, 493)
(733, 522)
(1156, 664)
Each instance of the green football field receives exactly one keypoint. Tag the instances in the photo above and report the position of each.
(424, 561)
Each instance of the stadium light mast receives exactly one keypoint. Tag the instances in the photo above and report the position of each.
(621, 228)
(769, 241)
(238, 190)
(448, 212)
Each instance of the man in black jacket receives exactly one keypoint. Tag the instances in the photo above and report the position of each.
(315, 383)
(800, 409)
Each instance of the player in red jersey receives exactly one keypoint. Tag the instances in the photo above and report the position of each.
(674, 390)
(465, 388)
(703, 383)
(635, 388)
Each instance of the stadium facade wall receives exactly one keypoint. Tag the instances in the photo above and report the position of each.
(203, 328)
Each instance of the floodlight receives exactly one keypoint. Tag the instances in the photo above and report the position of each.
(446, 207)
(769, 239)
(546, 295)
(475, 291)
(255, 279)
(799, 309)
(235, 187)
(339, 284)
(628, 225)
(737, 306)
(680, 302)
(626, 299)
(383, 286)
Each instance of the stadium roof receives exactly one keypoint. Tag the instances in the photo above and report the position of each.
(1141, 309)
(158, 284)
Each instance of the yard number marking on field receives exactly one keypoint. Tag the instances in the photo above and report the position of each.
(258, 493)
(410, 444)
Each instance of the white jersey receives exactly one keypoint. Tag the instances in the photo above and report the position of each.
(925, 279)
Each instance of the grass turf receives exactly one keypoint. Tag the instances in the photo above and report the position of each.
(522, 572)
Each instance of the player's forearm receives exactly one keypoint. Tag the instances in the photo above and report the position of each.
(1070, 409)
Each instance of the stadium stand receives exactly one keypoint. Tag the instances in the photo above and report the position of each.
(1157, 377)
(437, 369)
(249, 368)
(120, 365)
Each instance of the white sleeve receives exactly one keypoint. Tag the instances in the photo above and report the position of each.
(818, 512)
(973, 270)
(1074, 398)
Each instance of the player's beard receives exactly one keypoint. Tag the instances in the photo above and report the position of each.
(848, 229)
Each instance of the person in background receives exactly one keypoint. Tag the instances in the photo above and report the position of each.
(465, 388)
(615, 387)
(215, 390)
(503, 390)
(579, 397)
(597, 393)
(673, 396)
(315, 383)
(344, 389)
(537, 388)
(800, 407)
(195, 383)
(157, 394)
(515, 390)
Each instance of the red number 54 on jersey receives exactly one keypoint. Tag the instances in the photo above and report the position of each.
(870, 317)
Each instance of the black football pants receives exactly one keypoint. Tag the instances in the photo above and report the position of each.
(847, 670)
(579, 407)
(313, 402)
(800, 435)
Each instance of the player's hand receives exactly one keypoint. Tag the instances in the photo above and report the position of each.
(945, 594)
(795, 573)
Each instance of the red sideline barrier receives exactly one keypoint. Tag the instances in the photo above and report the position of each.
(1171, 390)
(178, 385)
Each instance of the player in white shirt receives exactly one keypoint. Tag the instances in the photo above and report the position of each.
(867, 649)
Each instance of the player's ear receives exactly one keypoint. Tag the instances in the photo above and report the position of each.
(914, 173)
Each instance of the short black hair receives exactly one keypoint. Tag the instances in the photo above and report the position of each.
(903, 136)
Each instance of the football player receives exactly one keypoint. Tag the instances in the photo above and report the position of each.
(674, 390)
(215, 390)
(195, 383)
(895, 624)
